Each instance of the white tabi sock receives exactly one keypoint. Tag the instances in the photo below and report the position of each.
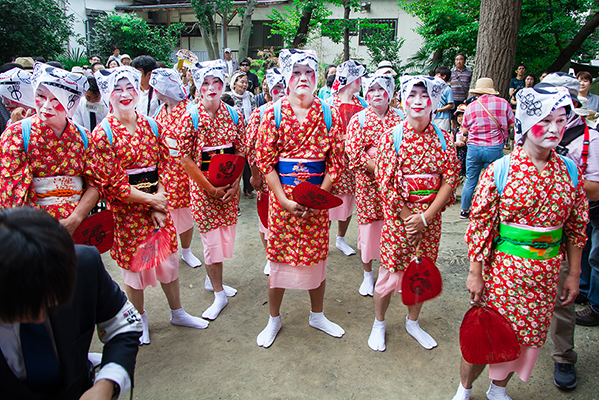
(189, 258)
(145, 335)
(367, 286)
(421, 336)
(319, 321)
(229, 291)
(376, 341)
(181, 318)
(94, 358)
(268, 335)
(497, 393)
(220, 301)
(341, 245)
(462, 393)
(267, 268)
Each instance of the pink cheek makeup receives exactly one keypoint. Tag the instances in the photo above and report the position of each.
(537, 130)
(428, 103)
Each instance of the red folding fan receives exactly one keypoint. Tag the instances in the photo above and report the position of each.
(262, 205)
(421, 281)
(96, 230)
(312, 196)
(225, 169)
(152, 252)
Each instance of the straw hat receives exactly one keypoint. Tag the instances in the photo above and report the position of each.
(484, 86)
(385, 67)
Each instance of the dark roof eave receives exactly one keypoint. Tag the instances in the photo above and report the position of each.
(187, 6)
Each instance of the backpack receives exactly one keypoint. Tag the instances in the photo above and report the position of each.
(398, 136)
(26, 131)
(362, 115)
(108, 130)
(326, 112)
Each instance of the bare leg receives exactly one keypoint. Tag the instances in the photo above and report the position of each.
(215, 273)
(268, 334)
(275, 298)
(376, 340)
(317, 319)
(136, 297)
(263, 239)
(380, 305)
(173, 296)
(178, 315)
(186, 238)
(186, 253)
(414, 311)
(469, 373)
(367, 266)
(342, 227)
(504, 382)
(317, 297)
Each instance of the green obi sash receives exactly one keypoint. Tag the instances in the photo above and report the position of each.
(528, 243)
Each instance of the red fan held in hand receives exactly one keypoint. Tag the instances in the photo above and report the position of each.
(312, 196)
(421, 281)
(347, 111)
(486, 337)
(97, 231)
(152, 252)
(225, 169)
(262, 205)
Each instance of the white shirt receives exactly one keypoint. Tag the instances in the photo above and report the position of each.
(142, 104)
(82, 113)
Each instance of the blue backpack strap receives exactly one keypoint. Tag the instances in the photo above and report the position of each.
(195, 116)
(277, 111)
(83, 135)
(362, 118)
(107, 129)
(233, 114)
(262, 110)
(26, 132)
(501, 170)
(362, 101)
(440, 136)
(158, 110)
(154, 126)
(327, 114)
(399, 112)
(572, 170)
(397, 136)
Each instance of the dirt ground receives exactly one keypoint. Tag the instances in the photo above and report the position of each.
(224, 362)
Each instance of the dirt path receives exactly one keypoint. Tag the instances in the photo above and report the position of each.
(224, 362)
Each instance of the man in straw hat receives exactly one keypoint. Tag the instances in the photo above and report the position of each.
(488, 121)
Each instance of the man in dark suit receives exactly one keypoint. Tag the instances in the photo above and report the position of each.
(53, 294)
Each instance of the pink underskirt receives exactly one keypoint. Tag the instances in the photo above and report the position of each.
(388, 282)
(522, 366)
(303, 277)
(218, 244)
(182, 219)
(263, 229)
(345, 210)
(166, 272)
(369, 241)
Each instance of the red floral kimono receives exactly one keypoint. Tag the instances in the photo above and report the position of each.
(46, 156)
(419, 154)
(251, 138)
(132, 221)
(298, 241)
(524, 289)
(210, 213)
(359, 140)
(176, 180)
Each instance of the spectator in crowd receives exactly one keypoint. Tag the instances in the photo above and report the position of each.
(17, 93)
(543, 75)
(529, 81)
(325, 91)
(125, 59)
(461, 76)
(518, 82)
(586, 79)
(91, 110)
(443, 116)
(94, 59)
(148, 102)
(26, 63)
(487, 120)
(96, 66)
(232, 64)
(253, 83)
(116, 53)
(385, 67)
(461, 139)
(112, 63)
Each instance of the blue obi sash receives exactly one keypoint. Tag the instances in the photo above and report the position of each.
(293, 171)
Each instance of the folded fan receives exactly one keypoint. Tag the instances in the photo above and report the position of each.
(225, 169)
(152, 252)
(312, 196)
(96, 230)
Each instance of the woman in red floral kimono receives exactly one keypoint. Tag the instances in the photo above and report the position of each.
(275, 84)
(129, 156)
(346, 85)
(530, 195)
(363, 134)
(423, 160)
(47, 166)
(169, 90)
(295, 140)
(220, 130)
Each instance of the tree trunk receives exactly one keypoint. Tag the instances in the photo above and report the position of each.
(346, 12)
(496, 44)
(567, 53)
(208, 43)
(246, 29)
(301, 37)
(214, 39)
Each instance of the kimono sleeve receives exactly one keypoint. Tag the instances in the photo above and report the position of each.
(335, 164)
(187, 137)
(575, 226)
(267, 148)
(163, 153)
(250, 136)
(238, 141)
(387, 171)
(451, 167)
(16, 185)
(354, 145)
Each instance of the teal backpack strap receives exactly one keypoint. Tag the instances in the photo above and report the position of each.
(501, 170)
(362, 118)
(26, 132)
(327, 114)
(195, 116)
(397, 136)
(399, 112)
(277, 111)
(154, 126)
(440, 136)
(107, 129)
(362, 101)
(572, 170)
(233, 114)
(262, 110)
(83, 135)
(158, 110)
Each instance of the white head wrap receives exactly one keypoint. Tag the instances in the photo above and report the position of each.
(290, 57)
(168, 83)
(216, 68)
(434, 88)
(108, 78)
(66, 86)
(536, 103)
(387, 82)
(15, 85)
(273, 78)
(235, 76)
(347, 72)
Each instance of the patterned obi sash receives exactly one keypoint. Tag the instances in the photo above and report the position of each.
(422, 188)
(208, 152)
(173, 147)
(529, 241)
(144, 179)
(293, 171)
(59, 189)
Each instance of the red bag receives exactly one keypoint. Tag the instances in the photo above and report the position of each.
(96, 230)
(486, 337)
(312, 196)
(225, 169)
(421, 281)
(152, 252)
(262, 205)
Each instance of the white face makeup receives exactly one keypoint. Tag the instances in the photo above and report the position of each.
(212, 88)
(124, 97)
(48, 107)
(548, 132)
(418, 103)
(377, 96)
(277, 92)
(303, 80)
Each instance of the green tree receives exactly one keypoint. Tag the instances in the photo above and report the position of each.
(134, 37)
(384, 46)
(34, 28)
(206, 11)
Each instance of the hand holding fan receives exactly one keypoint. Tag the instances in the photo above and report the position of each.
(225, 169)
(96, 230)
(152, 252)
(312, 196)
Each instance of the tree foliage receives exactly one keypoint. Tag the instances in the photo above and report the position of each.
(384, 46)
(287, 23)
(206, 12)
(134, 37)
(34, 28)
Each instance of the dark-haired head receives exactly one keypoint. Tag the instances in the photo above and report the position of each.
(55, 64)
(9, 66)
(145, 63)
(38, 267)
